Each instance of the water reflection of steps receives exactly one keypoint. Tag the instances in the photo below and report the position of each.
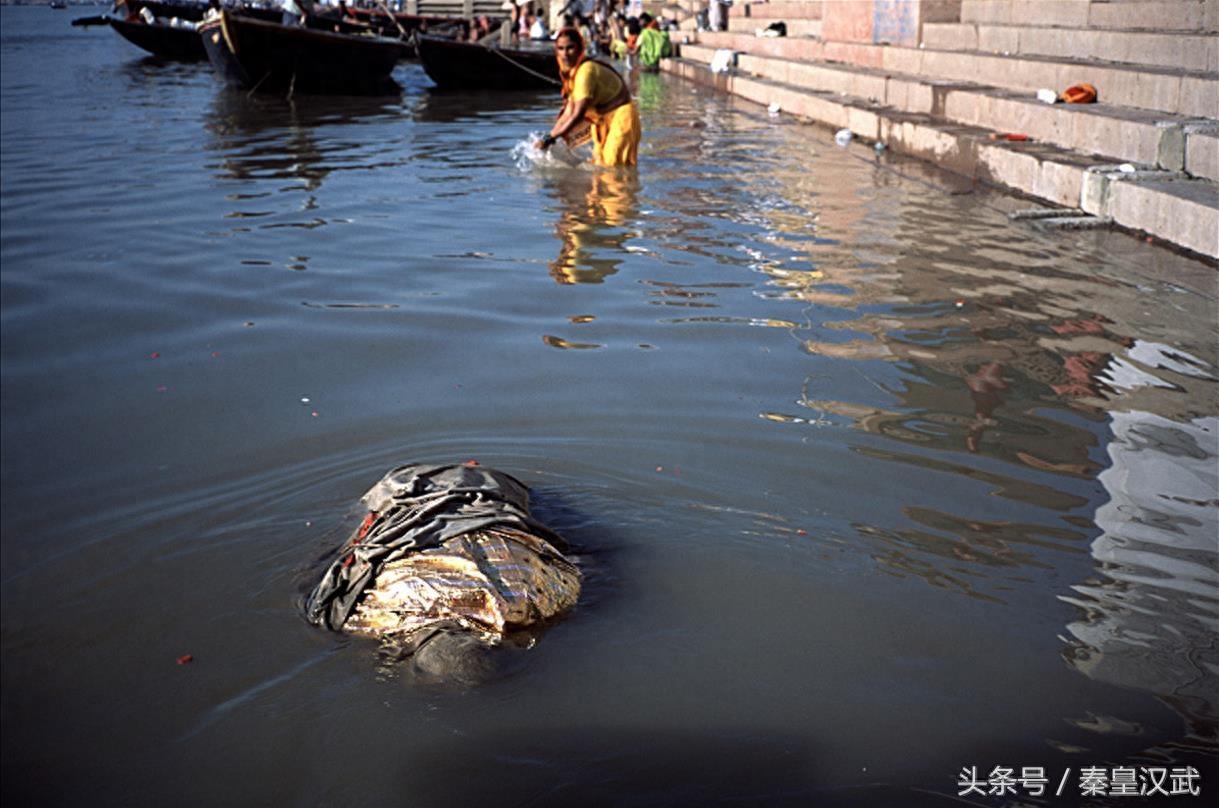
(950, 100)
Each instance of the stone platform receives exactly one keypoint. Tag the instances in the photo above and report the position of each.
(955, 82)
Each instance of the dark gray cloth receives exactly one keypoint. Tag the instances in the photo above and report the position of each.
(417, 507)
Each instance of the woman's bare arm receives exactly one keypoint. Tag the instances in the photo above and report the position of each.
(573, 113)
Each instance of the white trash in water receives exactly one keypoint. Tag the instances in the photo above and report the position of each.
(843, 137)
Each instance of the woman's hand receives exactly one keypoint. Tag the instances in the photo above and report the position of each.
(546, 142)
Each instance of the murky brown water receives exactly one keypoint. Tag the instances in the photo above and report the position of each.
(870, 483)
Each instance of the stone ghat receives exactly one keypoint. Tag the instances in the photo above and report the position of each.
(955, 82)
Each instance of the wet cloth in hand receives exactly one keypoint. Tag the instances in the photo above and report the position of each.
(414, 508)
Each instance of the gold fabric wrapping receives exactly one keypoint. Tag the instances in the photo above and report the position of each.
(488, 582)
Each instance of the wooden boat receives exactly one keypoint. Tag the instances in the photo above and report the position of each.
(171, 31)
(271, 57)
(175, 42)
(472, 66)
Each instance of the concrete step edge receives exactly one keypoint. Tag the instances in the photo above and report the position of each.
(795, 28)
(1108, 131)
(1065, 61)
(1166, 49)
(1083, 29)
(778, 11)
(1193, 14)
(1183, 92)
(1047, 172)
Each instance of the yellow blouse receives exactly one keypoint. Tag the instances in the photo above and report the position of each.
(595, 82)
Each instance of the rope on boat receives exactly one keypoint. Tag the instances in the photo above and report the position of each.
(394, 20)
(532, 72)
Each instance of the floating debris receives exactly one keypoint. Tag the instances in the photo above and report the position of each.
(471, 571)
(1044, 213)
(1076, 222)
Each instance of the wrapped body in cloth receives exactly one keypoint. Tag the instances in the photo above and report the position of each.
(448, 557)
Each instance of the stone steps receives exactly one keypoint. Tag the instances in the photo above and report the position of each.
(1166, 204)
(1202, 151)
(783, 10)
(1102, 130)
(795, 27)
(1192, 51)
(1150, 15)
(1172, 91)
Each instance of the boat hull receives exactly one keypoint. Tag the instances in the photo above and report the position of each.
(161, 40)
(274, 58)
(470, 66)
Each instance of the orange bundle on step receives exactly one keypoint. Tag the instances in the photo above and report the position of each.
(1079, 94)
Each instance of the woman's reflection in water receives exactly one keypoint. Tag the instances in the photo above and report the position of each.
(595, 210)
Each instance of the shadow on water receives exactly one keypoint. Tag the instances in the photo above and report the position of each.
(454, 106)
(596, 766)
(269, 138)
(150, 71)
(236, 113)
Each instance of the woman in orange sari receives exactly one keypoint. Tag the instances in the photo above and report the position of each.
(594, 92)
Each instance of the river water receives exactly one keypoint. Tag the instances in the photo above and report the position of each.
(870, 484)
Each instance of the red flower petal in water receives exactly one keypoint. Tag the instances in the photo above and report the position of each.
(185, 659)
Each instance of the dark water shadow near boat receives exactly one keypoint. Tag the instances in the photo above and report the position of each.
(438, 105)
(265, 137)
(143, 68)
(238, 111)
